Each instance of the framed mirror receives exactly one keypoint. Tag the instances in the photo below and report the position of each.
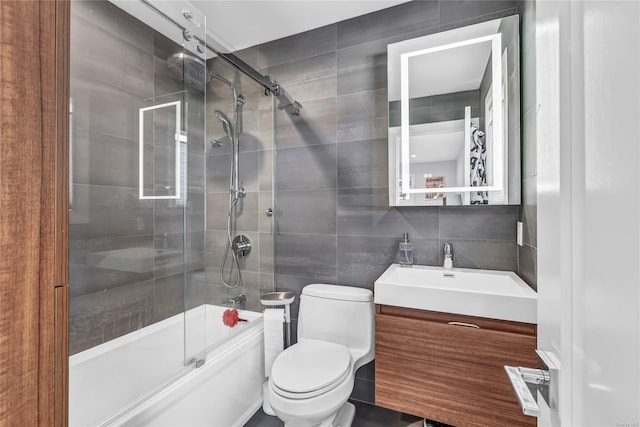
(454, 117)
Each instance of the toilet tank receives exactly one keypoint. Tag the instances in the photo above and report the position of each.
(339, 314)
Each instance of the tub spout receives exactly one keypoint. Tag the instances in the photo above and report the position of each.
(237, 301)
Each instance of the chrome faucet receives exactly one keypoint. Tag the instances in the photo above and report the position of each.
(236, 302)
(448, 256)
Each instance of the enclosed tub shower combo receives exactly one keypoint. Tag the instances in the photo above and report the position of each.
(170, 176)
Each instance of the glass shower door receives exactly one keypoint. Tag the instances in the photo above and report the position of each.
(136, 206)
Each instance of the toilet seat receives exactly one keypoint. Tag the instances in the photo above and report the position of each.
(310, 368)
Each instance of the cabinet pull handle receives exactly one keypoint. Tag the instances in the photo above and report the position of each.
(468, 325)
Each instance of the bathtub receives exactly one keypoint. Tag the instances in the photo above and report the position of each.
(109, 384)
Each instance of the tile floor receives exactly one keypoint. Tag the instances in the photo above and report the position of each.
(366, 416)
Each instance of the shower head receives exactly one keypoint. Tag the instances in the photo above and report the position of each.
(190, 69)
(226, 122)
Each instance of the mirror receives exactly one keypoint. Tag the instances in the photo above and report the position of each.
(454, 117)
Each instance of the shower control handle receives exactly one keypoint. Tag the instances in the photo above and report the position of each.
(269, 212)
(241, 245)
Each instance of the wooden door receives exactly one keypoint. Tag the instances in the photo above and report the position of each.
(34, 57)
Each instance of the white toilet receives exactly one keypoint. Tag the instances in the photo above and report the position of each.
(311, 381)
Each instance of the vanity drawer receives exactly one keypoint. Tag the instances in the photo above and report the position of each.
(466, 344)
(451, 373)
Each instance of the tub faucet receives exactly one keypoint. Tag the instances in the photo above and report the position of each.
(237, 301)
(448, 256)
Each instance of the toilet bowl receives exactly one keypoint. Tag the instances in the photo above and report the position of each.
(312, 380)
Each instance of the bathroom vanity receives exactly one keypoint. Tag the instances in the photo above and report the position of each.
(443, 339)
(437, 366)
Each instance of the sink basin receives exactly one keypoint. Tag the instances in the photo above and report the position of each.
(483, 293)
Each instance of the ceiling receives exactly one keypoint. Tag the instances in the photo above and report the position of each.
(244, 23)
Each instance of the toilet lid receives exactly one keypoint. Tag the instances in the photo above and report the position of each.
(310, 365)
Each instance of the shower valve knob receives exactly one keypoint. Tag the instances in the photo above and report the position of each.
(241, 245)
(269, 212)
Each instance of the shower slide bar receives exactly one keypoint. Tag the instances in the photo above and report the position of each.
(173, 12)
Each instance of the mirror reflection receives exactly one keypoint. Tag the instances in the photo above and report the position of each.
(454, 117)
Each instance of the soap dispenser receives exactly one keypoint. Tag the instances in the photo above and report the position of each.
(406, 251)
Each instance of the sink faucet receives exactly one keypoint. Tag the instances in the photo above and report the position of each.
(448, 256)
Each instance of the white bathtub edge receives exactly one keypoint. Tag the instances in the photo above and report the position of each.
(152, 408)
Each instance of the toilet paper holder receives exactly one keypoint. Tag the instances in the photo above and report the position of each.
(272, 299)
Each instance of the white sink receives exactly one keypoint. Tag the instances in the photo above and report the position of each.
(483, 293)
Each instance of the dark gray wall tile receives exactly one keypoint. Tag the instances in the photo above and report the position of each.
(265, 202)
(176, 253)
(219, 95)
(164, 82)
(528, 265)
(295, 284)
(266, 171)
(110, 18)
(104, 160)
(483, 254)
(299, 46)
(307, 79)
(366, 212)
(362, 259)
(310, 168)
(306, 255)
(400, 19)
(216, 244)
(306, 211)
(481, 222)
(130, 72)
(266, 119)
(266, 257)
(249, 138)
(437, 108)
(363, 164)
(102, 316)
(362, 67)
(462, 12)
(362, 116)
(169, 216)
(246, 212)
(316, 126)
(89, 275)
(219, 167)
(168, 298)
(91, 214)
(104, 108)
(219, 294)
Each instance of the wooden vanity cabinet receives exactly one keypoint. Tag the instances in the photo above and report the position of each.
(451, 372)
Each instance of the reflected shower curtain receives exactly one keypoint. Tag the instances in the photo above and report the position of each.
(478, 166)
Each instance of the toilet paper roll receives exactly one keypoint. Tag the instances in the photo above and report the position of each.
(273, 337)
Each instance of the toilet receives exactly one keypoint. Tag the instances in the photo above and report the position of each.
(312, 380)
